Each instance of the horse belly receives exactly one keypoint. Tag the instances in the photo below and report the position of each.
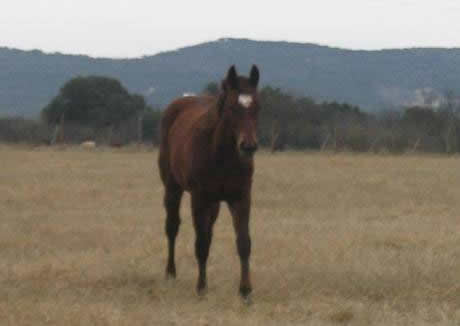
(225, 189)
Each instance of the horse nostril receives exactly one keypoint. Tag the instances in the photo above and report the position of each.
(250, 149)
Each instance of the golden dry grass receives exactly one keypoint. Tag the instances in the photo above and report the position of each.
(337, 240)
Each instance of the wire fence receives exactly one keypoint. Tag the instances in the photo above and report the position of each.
(20, 130)
(375, 136)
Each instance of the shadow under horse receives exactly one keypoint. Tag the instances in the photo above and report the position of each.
(207, 148)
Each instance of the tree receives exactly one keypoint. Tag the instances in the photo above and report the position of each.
(211, 88)
(449, 113)
(420, 123)
(93, 101)
(151, 125)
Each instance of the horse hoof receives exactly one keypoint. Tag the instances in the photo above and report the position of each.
(170, 276)
(247, 300)
(201, 292)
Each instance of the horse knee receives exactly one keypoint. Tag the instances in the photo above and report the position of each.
(244, 246)
(202, 244)
(171, 201)
(172, 226)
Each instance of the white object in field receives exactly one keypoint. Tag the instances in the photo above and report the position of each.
(88, 144)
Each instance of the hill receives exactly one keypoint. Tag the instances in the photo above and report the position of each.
(371, 79)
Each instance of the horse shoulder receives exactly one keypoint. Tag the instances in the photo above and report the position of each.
(185, 142)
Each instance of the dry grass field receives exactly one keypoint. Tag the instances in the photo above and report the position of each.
(338, 239)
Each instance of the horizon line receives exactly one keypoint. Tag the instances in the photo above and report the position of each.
(351, 49)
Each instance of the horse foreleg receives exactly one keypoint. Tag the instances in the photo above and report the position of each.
(240, 212)
(204, 215)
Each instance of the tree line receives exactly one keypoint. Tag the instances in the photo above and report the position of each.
(101, 108)
(300, 123)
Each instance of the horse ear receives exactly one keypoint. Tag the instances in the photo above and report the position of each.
(254, 76)
(232, 78)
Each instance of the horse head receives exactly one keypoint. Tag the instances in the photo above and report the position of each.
(239, 107)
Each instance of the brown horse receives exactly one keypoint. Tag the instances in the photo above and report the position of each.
(207, 147)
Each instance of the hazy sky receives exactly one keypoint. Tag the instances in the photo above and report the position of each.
(132, 28)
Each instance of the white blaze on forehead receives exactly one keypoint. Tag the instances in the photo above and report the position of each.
(245, 100)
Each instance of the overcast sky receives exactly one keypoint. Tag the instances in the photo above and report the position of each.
(132, 28)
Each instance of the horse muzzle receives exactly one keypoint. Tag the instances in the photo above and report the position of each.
(248, 150)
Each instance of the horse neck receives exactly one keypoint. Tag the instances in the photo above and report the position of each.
(224, 149)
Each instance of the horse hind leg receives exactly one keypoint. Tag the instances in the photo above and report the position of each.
(172, 201)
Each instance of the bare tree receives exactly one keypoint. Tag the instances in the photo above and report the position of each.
(140, 123)
(450, 111)
(58, 135)
(275, 136)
